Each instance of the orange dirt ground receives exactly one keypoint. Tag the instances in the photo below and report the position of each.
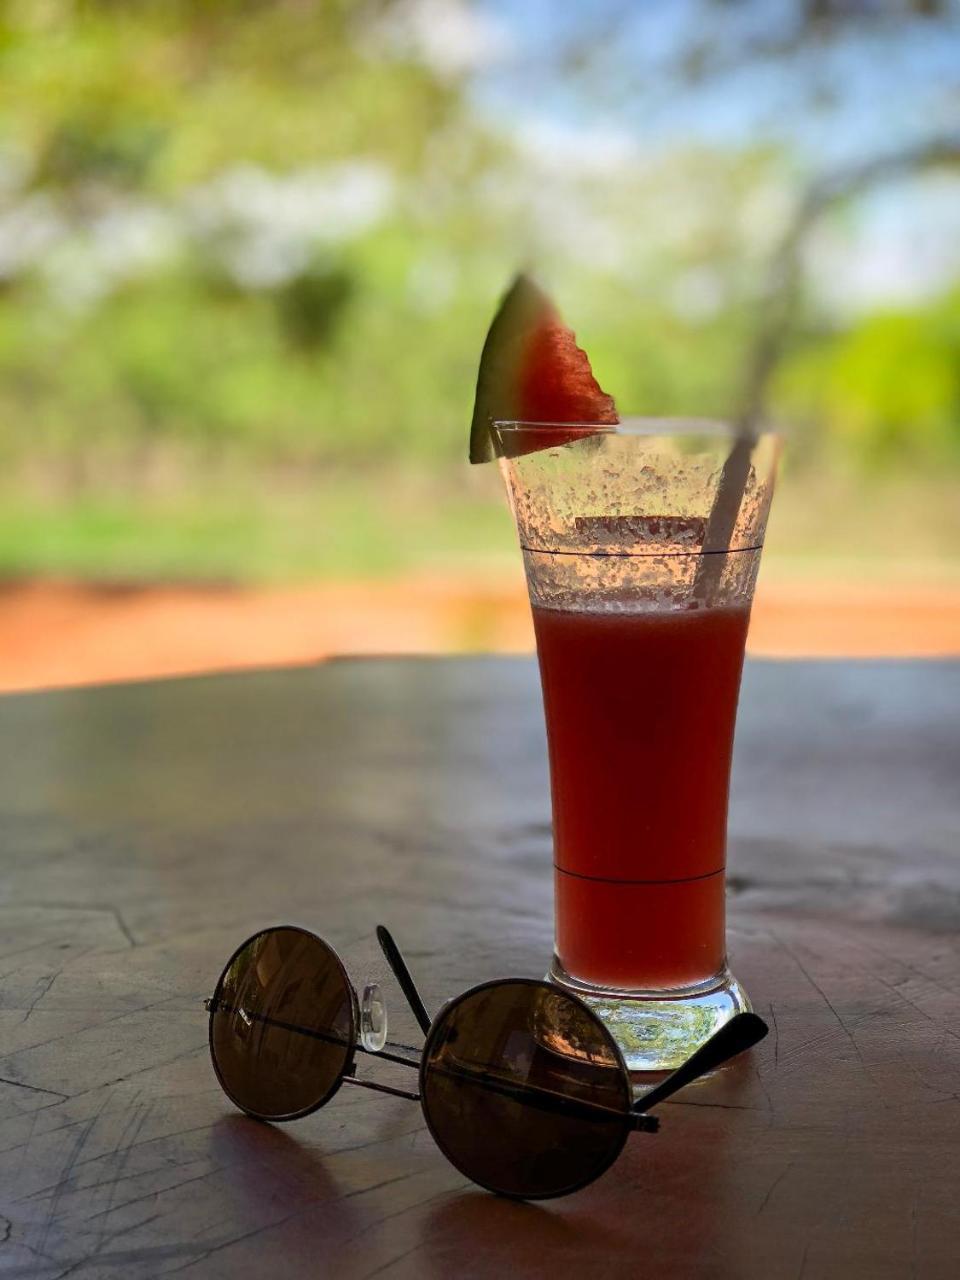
(60, 634)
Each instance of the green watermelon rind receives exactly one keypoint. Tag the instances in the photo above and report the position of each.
(521, 309)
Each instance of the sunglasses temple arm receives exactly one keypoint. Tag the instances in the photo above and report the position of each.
(402, 974)
(740, 1033)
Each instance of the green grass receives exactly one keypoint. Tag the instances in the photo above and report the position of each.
(855, 525)
(342, 528)
(250, 527)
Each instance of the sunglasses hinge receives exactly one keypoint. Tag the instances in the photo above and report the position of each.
(641, 1123)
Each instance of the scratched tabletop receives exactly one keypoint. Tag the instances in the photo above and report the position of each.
(147, 829)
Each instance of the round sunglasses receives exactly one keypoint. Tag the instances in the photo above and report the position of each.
(522, 1086)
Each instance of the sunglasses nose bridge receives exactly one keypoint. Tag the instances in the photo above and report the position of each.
(373, 1018)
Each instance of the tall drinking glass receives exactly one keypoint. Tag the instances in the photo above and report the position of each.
(640, 623)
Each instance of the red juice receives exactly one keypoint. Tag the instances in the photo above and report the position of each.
(640, 709)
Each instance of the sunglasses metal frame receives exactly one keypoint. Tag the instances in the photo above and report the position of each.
(346, 1076)
(743, 1031)
(633, 1120)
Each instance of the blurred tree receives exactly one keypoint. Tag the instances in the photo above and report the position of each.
(257, 242)
(889, 387)
(778, 306)
(189, 195)
(809, 74)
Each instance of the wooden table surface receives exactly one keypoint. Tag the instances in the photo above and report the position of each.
(148, 828)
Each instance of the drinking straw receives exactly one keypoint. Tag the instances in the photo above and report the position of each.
(723, 514)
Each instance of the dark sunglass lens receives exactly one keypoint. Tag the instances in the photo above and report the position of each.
(524, 1090)
(282, 1024)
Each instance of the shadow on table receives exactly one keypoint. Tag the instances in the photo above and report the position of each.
(667, 1192)
(470, 1233)
(661, 1208)
(265, 1163)
(478, 1233)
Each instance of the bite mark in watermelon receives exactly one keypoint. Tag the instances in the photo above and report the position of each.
(531, 370)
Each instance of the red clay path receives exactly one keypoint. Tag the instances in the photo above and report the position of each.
(60, 634)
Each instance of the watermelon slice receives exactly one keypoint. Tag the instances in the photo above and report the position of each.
(532, 370)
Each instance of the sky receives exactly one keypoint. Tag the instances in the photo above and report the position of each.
(596, 82)
(877, 83)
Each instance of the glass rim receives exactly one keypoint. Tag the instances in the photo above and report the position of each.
(639, 425)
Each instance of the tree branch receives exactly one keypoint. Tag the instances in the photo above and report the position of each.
(782, 285)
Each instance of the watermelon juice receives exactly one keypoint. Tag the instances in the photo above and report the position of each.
(640, 708)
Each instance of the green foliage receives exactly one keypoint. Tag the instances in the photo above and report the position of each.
(888, 388)
(242, 239)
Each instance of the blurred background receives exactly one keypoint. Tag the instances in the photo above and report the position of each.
(249, 251)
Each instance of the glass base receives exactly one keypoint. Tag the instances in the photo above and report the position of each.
(658, 1030)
